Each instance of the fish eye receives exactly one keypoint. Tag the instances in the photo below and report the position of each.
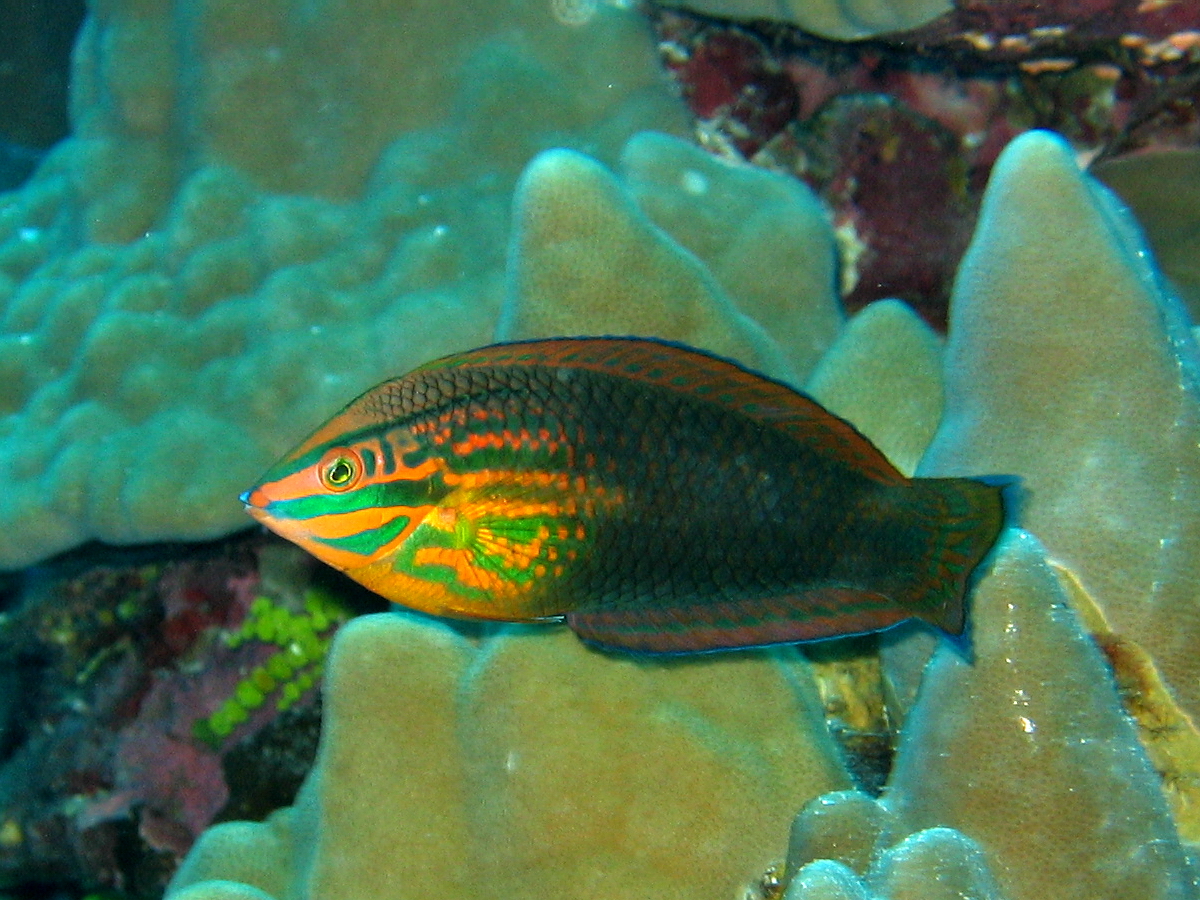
(340, 470)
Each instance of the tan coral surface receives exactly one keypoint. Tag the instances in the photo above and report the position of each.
(1025, 748)
(683, 246)
(532, 767)
(1163, 190)
(884, 374)
(1068, 365)
(1019, 775)
(263, 210)
(633, 281)
(841, 19)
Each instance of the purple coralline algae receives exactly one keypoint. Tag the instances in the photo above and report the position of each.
(898, 134)
(124, 676)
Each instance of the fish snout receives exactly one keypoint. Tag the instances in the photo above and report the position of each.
(255, 501)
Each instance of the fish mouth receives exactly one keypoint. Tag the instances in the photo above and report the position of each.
(255, 503)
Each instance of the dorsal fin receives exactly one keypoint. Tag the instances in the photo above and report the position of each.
(684, 370)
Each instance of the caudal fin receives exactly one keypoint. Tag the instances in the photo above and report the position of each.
(940, 531)
(964, 517)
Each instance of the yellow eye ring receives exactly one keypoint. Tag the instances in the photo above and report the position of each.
(340, 470)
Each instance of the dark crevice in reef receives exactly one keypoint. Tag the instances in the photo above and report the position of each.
(35, 64)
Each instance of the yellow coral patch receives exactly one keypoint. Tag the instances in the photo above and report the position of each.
(1167, 733)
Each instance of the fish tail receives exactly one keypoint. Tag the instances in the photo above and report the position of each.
(964, 518)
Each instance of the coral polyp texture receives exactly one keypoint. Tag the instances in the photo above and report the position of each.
(551, 768)
(1082, 335)
(1018, 773)
(844, 20)
(1163, 190)
(265, 208)
(300, 639)
(718, 255)
(897, 134)
(261, 212)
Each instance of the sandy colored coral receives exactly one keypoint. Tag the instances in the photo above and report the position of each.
(846, 826)
(531, 766)
(849, 846)
(263, 210)
(1163, 190)
(1018, 773)
(765, 239)
(1169, 735)
(661, 277)
(565, 282)
(844, 20)
(1067, 365)
(936, 864)
(826, 879)
(1026, 749)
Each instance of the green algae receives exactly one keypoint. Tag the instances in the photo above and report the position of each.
(301, 640)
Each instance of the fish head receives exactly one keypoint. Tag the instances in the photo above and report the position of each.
(401, 528)
(320, 503)
(351, 493)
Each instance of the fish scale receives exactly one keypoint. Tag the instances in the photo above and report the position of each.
(657, 498)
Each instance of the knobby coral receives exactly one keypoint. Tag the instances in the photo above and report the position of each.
(727, 257)
(182, 291)
(529, 765)
(1018, 774)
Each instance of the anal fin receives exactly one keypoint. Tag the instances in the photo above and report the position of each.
(821, 613)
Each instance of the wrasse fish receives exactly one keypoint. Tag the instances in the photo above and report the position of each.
(662, 500)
